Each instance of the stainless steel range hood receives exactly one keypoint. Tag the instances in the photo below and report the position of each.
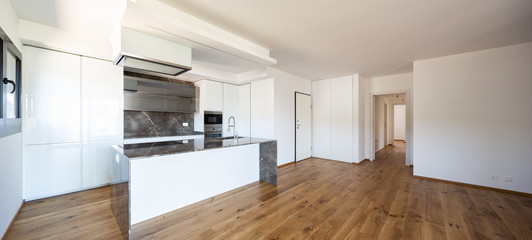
(145, 65)
(158, 96)
(143, 53)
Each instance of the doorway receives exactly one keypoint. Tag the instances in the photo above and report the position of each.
(303, 126)
(383, 125)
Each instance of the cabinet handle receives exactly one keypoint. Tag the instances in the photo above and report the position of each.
(6, 81)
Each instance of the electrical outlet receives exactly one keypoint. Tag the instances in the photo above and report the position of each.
(185, 124)
(494, 177)
(508, 178)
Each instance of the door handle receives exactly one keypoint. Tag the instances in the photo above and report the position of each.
(6, 81)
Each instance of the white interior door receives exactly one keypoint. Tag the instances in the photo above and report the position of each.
(303, 126)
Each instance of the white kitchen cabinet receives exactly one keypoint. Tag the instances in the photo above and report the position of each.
(74, 115)
(230, 108)
(213, 96)
(244, 110)
(52, 92)
(332, 119)
(342, 119)
(102, 91)
(102, 85)
(321, 119)
(96, 162)
(210, 98)
(52, 169)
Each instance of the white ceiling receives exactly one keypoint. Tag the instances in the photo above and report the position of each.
(94, 18)
(322, 39)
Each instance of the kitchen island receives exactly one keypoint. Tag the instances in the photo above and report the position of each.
(151, 179)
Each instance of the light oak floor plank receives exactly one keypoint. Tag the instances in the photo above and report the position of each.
(315, 199)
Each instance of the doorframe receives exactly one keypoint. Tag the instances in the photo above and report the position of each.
(295, 123)
(409, 125)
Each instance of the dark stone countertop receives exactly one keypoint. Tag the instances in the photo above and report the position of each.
(144, 150)
(172, 135)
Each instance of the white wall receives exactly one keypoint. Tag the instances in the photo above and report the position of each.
(473, 117)
(9, 22)
(364, 117)
(10, 178)
(244, 108)
(399, 122)
(284, 110)
(11, 165)
(262, 109)
(391, 83)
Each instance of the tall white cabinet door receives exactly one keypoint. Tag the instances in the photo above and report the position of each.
(342, 119)
(52, 92)
(102, 92)
(52, 169)
(244, 110)
(321, 119)
(213, 96)
(96, 162)
(102, 87)
(230, 108)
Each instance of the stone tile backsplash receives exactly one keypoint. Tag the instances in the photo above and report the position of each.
(138, 124)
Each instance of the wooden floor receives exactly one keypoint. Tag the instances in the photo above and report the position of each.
(315, 199)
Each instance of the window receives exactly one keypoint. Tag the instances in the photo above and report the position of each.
(10, 86)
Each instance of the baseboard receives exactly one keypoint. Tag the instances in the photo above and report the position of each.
(358, 163)
(475, 186)
(286, 164)
(31, 199)
(13, 220)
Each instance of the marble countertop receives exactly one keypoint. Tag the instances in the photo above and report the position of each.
(173, 135)
(143, 150)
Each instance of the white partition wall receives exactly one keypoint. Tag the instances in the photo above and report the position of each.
(244, 110)
(473, 118)
(262, 109)
(230, 108)
(11, 179)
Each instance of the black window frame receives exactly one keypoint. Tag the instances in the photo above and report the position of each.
(10, 125)
(2, 77)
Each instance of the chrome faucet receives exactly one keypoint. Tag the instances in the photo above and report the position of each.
(232, 126)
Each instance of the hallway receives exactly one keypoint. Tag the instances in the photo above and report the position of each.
(316, 198)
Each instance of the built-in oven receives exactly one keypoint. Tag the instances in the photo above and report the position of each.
(213, 124)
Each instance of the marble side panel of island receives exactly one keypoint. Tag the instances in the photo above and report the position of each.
(268, 162)
(120, 190)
